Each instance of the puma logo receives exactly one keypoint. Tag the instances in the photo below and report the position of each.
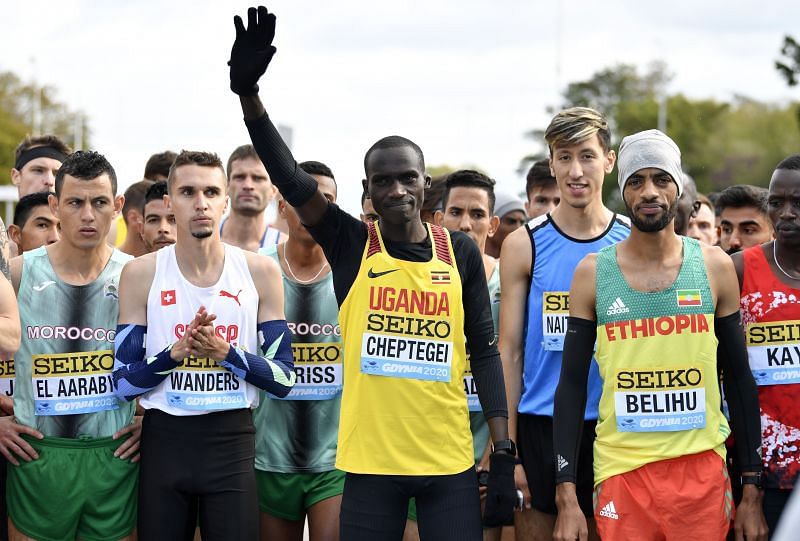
(223, 293)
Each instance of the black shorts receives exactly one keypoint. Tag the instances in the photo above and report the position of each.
(535, 445)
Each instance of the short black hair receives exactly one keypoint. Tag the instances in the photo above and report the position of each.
(25, 206)
(85, 165)
(468, 178)
(156, 191)
(433, 195)
(539, 176)
(317, 168)
(242, 152)
(134, 197)
(158, 165)
(395, 141)
(742, 196)
(792, 162)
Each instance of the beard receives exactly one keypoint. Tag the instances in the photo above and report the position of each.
(204, 234)
(655, 223)
(731, 251)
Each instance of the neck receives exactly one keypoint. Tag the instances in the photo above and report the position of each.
(304, 255)
(412, 231)
(200, 260)
(582, 223)
(133, 244)
(240, 228)
(489, 263)
(653, 247)
(787, 258)
(78, 266)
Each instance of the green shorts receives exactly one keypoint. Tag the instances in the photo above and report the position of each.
(289, 495)
(77, 489)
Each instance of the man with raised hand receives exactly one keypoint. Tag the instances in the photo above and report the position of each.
(201, 329)
(537, 265)
(410, 303)
(769, 280)
(70, 424)
(662, 311)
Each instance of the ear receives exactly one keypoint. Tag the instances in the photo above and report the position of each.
(427, 181)
(52, 202)
(168, 201)
(364, 185)
(15, 233)
(438, 218)
(282, 207)
(611, 159)
(550, 163)
(15, 177)
(119, 201)
(494, 223)
(134, 217)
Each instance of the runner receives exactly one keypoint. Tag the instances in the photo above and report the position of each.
(132, 218)
(511, 211)
(663, 312)
(542, 189)
(769, 279)
(70, 425)
(537, 264)
(158, 221)
(743, 218)
(404, 301)
(701, 225)
(468, 203)
(296, 437)
(367, 210)
(36, 163)
(34, 223)
(251, 191)
(205, 308)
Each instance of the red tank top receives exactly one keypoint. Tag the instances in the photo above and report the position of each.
(771, 315)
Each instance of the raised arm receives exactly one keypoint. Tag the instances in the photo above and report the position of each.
(251, 54)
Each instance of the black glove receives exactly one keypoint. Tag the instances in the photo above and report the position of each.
(252, 50)
(501, 495)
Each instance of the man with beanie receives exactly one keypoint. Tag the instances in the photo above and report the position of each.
(660, 312)
(511, 211)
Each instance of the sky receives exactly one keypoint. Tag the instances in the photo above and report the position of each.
(463, 79)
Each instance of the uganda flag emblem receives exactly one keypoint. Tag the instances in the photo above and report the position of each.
(440, 277)
(689, 297)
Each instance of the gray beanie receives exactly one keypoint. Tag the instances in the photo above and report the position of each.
(649, 148)
(506, 202)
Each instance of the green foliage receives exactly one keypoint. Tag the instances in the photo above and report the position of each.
(789, 65)
(721, 143)
(19, 104)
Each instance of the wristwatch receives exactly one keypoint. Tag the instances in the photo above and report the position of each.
(752, 479)
(506, 446)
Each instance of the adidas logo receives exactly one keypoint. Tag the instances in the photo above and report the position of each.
(609, 511)
(562, 463)
(617, 307)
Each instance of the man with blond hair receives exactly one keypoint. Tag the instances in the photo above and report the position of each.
(536, 267)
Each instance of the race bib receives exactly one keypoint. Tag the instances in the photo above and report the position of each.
(71, 383)
(774, 352)
(660, 400)
(555, 310)
(201, 384)
(473, 402)
(319, 371)
(7, 377)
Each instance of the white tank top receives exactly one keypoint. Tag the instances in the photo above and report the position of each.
(201, 386)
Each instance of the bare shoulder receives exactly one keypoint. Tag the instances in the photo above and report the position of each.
(586, 269)
(582, 295)
(262, 267)
(139, 272)
(717, 261)
(15, 267)
(515, 254)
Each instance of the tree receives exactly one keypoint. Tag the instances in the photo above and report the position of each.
(790, 67)
(28, 108)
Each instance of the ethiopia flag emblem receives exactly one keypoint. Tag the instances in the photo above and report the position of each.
(689, 297)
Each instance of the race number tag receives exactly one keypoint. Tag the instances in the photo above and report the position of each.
(319, 371)
(660, 400)
(201, 384)
(774, 351)
(406, 357)
(473, 402)
(555, 310)
(7, 377)
(70, 383)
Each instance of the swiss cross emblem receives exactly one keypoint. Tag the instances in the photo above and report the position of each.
(167, 297)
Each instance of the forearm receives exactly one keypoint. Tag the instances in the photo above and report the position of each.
(740, 391)
(570, 399)
(512, 373)
(134, 375)
(273, 370)
(9, 336)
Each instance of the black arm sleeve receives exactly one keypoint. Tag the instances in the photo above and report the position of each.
(740, 390)
(487, 370)
(570, 399)
(295, 185)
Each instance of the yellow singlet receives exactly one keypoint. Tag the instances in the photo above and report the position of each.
(404, 411)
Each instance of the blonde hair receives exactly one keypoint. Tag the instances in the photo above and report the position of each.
(576, 125)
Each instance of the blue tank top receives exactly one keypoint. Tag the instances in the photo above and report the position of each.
(555, 257)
